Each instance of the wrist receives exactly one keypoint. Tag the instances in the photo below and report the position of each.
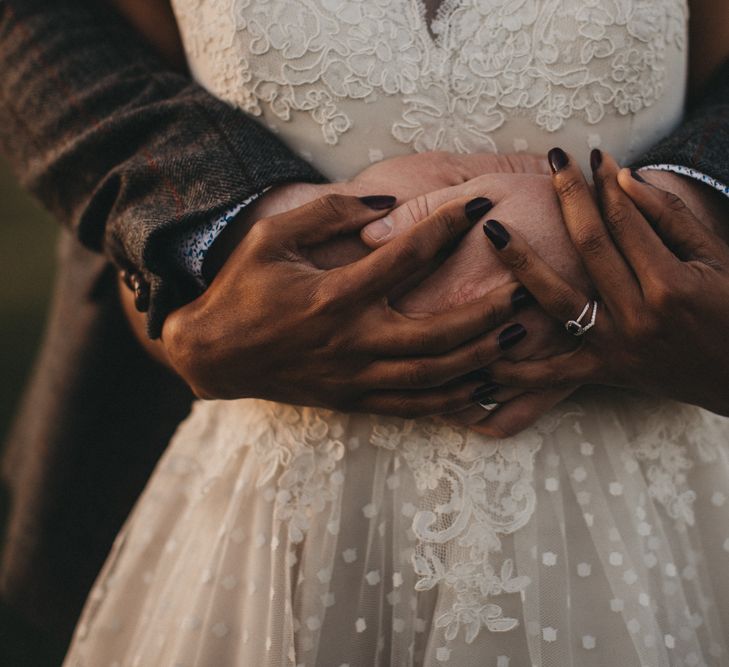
(276, 200)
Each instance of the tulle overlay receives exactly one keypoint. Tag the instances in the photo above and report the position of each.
(271, 535)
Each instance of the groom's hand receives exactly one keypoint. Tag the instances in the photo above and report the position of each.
(273, 325)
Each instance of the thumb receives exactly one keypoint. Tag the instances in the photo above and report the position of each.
(404, 217)
(673, 220)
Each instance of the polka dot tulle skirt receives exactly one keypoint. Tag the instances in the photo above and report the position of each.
(271, 535)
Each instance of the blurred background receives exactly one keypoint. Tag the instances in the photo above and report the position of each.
(26, 271)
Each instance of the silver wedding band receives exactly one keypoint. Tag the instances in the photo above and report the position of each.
(575, 327)
(489, 406)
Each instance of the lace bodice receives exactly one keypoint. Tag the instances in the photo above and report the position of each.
(350, 82)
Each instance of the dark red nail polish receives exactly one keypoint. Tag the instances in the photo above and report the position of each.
(595, 159)
(510, 336)
(484, 392)
(521, 298)
(477, 208)
(496, 233)
(558, 159)
(379, 202)
(636, 175)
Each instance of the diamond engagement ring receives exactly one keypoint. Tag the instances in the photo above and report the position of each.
(575, 327)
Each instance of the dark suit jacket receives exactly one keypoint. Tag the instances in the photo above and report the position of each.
(125, 153)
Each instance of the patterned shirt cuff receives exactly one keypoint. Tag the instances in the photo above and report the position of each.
(195, 243)
(691, 173)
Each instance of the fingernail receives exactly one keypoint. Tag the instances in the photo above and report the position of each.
(636, 175)
(477, 208)
(595, 159)
(484, 391)
(521, 298)
(558, 159)
(379, 229)
(379, 202)
(496, 233)
(511, 336)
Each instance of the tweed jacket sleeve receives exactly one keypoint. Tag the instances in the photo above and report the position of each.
(121, 149)
(701, 143)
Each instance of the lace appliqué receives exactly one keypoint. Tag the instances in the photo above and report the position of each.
(485, 61)
(472, 490)
(666, 461)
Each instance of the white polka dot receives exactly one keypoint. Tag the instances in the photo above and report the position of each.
(397, 579)
(398, 624)
(520, 145)
(393, 597)
(337, 478)
(502, 661)
(616, 489)
(640, 514)
(328, 599)
(615, 558)
(650, 560)
(594, 140)
(584, 497)
(630, 577)
(726, 544)
(373, 577)
(370, 510)
(589, 519)
(579, 474)
(669, 641)
(206, 577)
(408, 510)
(588, 642)
(375, 155)
(551, 484)
(689, 573)
(617, 605)
(324, 575)
(220, 630)
(269, 643)
(349, 555)
(587, 449)
(644, 600)
(633, 626)
(333, 527)
(360, 625)
(442, 654)
(275, 542)
(549, 634)
(631, 466)
(313, 623)
(644, 529)
(584, 569)
(549, 558)
(420, 625)
(671, 570)
(718, 499)
(393, 482)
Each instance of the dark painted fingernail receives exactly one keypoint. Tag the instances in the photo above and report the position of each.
(477, 208)
(636, 175)
(521, 298)
(496, 233)
(485, 391)
(511, 336)
(558, 159)
(595, 159)
(379, 202)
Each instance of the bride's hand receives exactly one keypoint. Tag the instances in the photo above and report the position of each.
(661, 282)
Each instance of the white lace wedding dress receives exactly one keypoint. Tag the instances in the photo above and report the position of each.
(272, 535)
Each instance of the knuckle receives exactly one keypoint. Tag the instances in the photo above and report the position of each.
(330, 206)
(590, 242)
(261, 233)
(410, 252)
(520, 261)
(617, 215)
(419, 374)
(569, 188)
